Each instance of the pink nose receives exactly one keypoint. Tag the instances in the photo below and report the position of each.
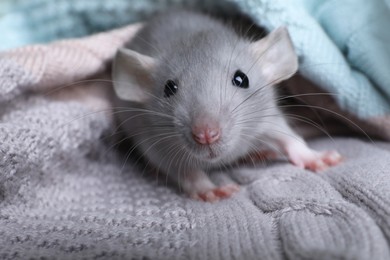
(206, 135)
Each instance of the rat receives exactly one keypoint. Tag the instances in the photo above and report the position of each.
(194, 95)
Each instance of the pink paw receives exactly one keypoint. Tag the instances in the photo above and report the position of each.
(316, 161)
(216, 194)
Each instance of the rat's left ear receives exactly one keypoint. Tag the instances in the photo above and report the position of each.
(132, 75)
(276, 56)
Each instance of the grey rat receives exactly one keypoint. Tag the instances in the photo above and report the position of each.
(194, 95)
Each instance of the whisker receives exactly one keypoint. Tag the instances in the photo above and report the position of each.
(144, 141)
(51, 91)
(171, 159)
(164, 155)
(308, 94)
(337, 114)
(267, 144)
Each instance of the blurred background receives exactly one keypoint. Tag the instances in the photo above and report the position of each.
(348, 38)
(36, 21)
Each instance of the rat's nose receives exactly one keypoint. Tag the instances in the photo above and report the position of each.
(206, 134)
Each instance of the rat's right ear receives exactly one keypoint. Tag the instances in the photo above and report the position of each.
(277, 56)
(132, 75)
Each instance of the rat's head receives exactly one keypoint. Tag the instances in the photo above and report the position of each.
(210, 93)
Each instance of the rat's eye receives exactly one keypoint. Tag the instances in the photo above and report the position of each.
(240, 79)
(170, 88)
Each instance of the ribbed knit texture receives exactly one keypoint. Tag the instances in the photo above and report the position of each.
(66, 194)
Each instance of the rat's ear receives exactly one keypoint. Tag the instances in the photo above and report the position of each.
(132, 75)
(276, 55)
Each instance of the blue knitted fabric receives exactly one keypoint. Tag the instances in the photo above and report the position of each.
(344, 46)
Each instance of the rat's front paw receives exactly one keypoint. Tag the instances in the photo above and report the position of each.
(216, 193)
(315, 161)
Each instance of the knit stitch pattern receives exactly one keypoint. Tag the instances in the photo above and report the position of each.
(67, 194)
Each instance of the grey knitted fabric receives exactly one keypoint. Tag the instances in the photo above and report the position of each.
(66, 194)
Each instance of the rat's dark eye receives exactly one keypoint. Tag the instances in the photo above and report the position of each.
(170, 88)
(240, 79)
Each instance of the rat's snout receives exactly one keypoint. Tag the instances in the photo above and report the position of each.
(208, 133)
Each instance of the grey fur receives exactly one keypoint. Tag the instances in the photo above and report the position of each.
(202, 54)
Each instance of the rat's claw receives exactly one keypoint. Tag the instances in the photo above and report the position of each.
(332, 158)
(317, 161)
(217, 194)
(226, 191)
(317, 165)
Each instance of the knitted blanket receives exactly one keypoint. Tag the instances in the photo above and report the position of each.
(67, 194)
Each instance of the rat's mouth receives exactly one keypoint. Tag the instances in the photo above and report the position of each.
(209, 153)
(204, 152)
(212, 154)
